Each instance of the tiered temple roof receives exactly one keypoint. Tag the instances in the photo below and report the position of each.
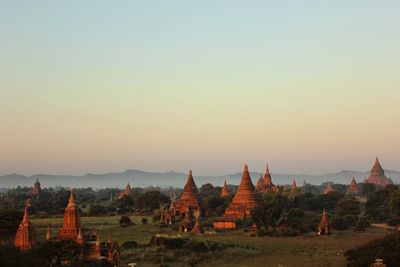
(323, 226)
(353, 188)
(127, 191)
(260, 183)
(189, 195)
(36, 189)
(267, 177)
(328, 189)
(242, 204)
(224, 190)
(72, 220)
(265, 184)
(26, 235)
(378, 175)
(294, 184)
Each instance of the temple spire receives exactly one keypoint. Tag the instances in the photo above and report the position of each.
(71, 201)
(224, 190)
(294, 185)
(267, 177)
(25, 218)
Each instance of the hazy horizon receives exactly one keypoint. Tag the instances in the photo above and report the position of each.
(103, 87)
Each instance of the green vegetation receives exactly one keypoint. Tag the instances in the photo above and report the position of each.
(239, 248)
(286, 222)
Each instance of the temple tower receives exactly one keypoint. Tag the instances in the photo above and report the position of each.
(224, 190)
(72, 220)
(378, 175)
(328, 189)
(26, 235)
(267, 178)
(242, 204)
(36, 189)
(323, 226)
(353, 188)
(189, 196)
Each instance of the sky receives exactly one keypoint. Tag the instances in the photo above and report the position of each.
(98, 86)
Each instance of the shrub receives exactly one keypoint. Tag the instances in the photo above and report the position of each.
(344, 222)
(125, 221)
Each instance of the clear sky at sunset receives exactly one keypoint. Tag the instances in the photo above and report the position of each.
(98, 86)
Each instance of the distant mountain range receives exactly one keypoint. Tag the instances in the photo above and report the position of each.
(139, 178)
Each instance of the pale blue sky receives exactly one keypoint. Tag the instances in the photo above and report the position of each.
(92, 86)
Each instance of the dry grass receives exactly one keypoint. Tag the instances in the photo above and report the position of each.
(308, 250)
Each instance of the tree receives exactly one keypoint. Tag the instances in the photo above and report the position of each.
(126, 202)
(368, 190)
(269, 211)
(348, 205)
(9, 221)
(208, 190)
(97, 209)
(151, 200)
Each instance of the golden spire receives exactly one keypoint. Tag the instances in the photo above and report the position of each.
(71, 201)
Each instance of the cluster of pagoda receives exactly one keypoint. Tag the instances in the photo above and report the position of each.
(377, 177)
(185, 211)
(72, 229)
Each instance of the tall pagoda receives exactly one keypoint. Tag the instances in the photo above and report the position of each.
(242, 204)
(127, 191)
(294, 184)
(265, 184)
(26, 235)
(188, 197)
(378, 175)
(36, 189)
(323, 226)
(224, 190)
(353, 188)
(328, 189)
(72, 220)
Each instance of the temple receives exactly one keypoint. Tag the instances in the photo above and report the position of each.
(294, 184)
(182, 211)
(72, 220)
(224, 190)
(188, 197)
(323, 226)
(241, 205)
(26, 235)
(328, 189)
(127, 191)
(353, 188)
(36, 189)
(92, 247)
(266, 185)
(378, 175)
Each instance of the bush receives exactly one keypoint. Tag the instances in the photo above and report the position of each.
(344, 222)
(125, 221)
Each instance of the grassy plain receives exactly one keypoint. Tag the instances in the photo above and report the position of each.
(307, 250)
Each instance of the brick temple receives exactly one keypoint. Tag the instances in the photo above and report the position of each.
(377, 176)
(242, 204)
(26, 234)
